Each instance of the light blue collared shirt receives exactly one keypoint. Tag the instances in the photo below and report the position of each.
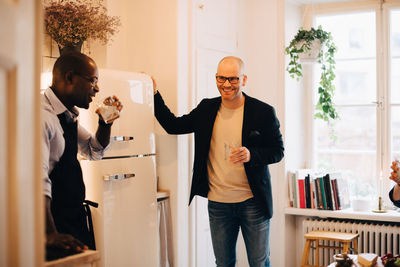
(53, 142)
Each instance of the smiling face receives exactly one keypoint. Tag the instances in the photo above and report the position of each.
(231, 91)
(75, 78)
(85, 85)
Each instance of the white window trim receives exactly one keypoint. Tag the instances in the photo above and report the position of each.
(383, 77)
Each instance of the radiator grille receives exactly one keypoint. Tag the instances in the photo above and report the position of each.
(374, 237)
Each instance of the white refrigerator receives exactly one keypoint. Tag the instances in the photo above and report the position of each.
(124, 182)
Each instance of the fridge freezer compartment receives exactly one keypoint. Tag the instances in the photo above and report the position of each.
(133, 132)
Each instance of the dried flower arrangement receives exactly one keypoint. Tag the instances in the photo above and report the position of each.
(71, 22)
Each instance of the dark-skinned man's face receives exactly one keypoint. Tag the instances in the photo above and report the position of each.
(85, 86)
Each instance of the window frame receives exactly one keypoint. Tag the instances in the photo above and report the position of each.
(383, 120)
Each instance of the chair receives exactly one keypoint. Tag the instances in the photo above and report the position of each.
(344, 239)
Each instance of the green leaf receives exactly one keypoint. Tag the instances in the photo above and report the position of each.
(318, 116)
(326, 90)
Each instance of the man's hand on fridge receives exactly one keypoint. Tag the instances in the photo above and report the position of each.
(109, 110)
(154, 82)
(154, 85)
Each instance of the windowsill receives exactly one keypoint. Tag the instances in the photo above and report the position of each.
(389, 216)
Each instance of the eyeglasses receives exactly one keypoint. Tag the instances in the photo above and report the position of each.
(92, 80)
(232, 80)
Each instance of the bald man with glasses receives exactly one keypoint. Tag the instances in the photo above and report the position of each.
(236, 138)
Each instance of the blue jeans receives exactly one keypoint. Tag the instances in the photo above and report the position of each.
(225, 220)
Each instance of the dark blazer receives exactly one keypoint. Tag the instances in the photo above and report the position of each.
(395, 202)
(260, 135)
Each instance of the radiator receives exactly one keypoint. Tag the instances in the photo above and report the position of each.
(374, 237)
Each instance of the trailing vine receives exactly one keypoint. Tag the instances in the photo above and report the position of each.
(302, 43)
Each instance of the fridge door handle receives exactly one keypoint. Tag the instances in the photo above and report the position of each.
(121, 138)
(118, 176)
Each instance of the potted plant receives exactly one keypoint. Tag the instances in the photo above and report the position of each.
(319, 43)
(71, 22)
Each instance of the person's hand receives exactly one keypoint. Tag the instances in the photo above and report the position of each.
(154, 82)
(111, 101)
(64, 241)
(239, 155)
(154, 85)
(394, 175)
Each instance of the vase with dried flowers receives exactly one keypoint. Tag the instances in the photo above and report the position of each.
(71, 22)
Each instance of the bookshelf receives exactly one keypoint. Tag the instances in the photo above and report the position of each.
(389, 216)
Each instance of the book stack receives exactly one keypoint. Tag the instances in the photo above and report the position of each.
(311, 190)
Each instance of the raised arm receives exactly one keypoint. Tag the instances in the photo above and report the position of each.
(171, 123)
(394, 176)
(104, 129)
(93, 147)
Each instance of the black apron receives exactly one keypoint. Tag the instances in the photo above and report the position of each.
(70, 214)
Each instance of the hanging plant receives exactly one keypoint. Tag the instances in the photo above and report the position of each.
(304, 44)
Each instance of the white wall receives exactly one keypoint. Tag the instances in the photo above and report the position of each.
(294, 91)
(267, 28)
(154, 39)
(261, 44)
(295, 137)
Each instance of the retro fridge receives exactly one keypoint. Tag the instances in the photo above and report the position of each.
(124, 181)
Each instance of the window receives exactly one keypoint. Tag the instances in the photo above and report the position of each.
(368, 131)
(395, 83)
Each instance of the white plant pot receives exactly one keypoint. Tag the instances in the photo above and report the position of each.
(310, 56)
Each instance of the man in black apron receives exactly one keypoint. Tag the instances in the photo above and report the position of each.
(74, 84)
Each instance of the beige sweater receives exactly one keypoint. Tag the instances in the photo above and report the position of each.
(228, 181)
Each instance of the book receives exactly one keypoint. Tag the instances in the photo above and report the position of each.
(337, 194)
(312, 190)
(318, 195)
(323, 195)
(342, 189)
(307, 191)
(302, 199)
(328, 192)
(290, 189)
(334, 194)
(300, 176)
(295, 190)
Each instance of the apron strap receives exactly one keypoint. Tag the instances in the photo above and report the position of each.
(86, 205)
